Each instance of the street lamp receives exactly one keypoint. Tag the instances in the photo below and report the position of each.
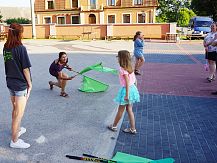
(33, 19)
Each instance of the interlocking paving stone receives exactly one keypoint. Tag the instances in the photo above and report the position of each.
(177, 113)
(175, 79)
(167, 58)
(192, 46)
(184, 130)
(200, 57)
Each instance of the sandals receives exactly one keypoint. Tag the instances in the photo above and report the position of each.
(51, 85)
(137, 72)
(64, 94)
(130, 131)
(127, 130)
(112, 128)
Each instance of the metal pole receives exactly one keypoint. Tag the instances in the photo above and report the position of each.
(33, 19)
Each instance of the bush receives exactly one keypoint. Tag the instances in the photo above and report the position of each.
(18, 20)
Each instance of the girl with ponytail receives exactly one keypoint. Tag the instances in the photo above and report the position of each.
(18, 79)
(138, 51)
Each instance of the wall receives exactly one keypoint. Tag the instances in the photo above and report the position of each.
(149, 30)
(157, 31)
(39, 5)
(42, 31)
(73, 31)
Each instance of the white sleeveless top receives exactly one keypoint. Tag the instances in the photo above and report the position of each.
(208, 38)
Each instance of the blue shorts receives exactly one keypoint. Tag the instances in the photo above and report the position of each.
(138, 55)
(18, 93)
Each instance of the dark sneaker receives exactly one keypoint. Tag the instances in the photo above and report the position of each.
(51, 85)
(214, 93)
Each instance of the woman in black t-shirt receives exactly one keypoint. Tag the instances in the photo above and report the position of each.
(18, 79)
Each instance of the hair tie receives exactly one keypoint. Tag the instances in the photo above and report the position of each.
(11, 29)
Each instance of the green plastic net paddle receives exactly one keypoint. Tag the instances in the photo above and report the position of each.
(92, 86)
(99, 67)
(127, 158)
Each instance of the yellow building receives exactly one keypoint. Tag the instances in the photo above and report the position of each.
(95, 11)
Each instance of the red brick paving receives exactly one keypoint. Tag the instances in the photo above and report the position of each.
(175, 79)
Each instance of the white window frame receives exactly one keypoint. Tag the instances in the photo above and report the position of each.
(108, 19)
(137, 17)
(89, 7)
(71, 3)
(137, 4)
(110, 5)
(123, 18)
(61, 17)
(47, 17)
(38, 18)
(46, 4)
(76, 16)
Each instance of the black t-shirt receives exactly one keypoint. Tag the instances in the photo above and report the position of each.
(16, 59)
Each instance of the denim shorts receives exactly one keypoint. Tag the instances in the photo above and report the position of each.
(138, 55)
(18, 93)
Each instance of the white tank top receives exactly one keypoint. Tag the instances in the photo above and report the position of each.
(210, 36)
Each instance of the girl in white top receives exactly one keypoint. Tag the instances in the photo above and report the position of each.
(211, 54)
(214, 43)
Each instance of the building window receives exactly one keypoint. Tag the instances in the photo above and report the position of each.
(111, 2)
(47, 20)
(74, 3)
(141, 18)
(61, 20)
(75, 19)
(138, 2)
(50, 4)
(92, 4)
(111, 18)
(126, 18)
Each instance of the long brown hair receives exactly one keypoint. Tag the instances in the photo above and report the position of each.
(136, 35)
(60, 55)
(124, 60)
(14, 36)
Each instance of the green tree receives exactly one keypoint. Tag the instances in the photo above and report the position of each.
(18, 20)
(168, 9)
(1, 18)
(184, 16)
(205, 8)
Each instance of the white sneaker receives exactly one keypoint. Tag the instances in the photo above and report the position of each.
(21, 132)
(19, 144)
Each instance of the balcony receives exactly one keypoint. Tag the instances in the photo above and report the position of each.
(148, 3)
(139, 3)
(92, 8)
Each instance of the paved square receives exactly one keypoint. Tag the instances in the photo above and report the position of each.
(175, 118)
(177, 115)
(180, 127)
